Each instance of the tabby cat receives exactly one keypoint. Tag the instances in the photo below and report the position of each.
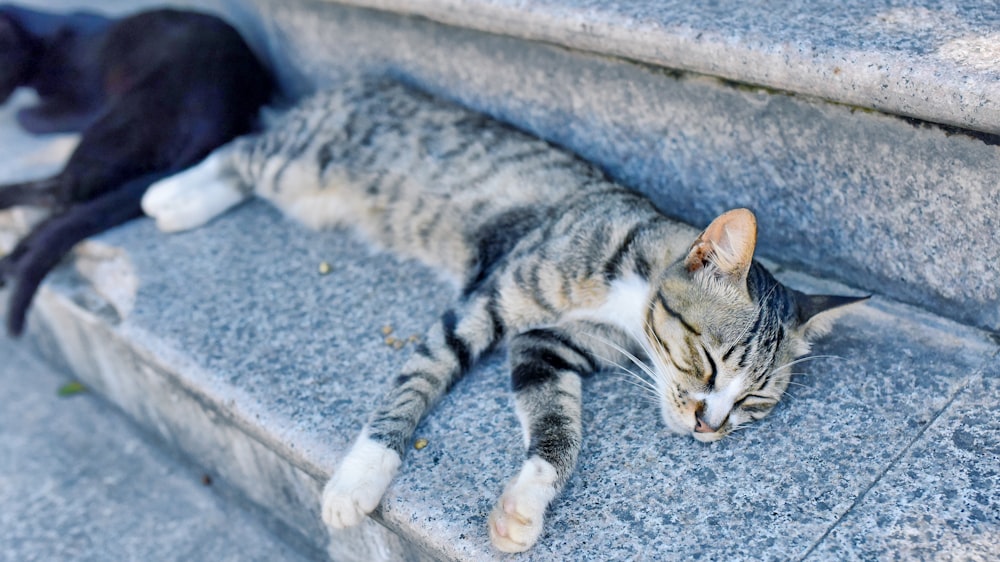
(573, 273)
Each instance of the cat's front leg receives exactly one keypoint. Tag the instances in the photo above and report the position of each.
(546, 366)
(365, 473)
(359, 483)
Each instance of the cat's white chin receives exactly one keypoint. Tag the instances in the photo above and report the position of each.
(707, 437)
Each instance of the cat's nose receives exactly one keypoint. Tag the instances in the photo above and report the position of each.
(700, 425)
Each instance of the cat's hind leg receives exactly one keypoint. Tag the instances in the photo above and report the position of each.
(546, 365)
(44, 247)
(38, 193)
(57, 116)
(453, 345)
(191, 198)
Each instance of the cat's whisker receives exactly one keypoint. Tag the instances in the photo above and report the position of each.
(655, 355)
(631, 357)
(648, 387)
(636, 380)
(802, 360)
(787, 397)
(739, 429)
(645, 391)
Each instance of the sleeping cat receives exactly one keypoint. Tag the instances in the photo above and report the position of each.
(174, 86)
(571, 272)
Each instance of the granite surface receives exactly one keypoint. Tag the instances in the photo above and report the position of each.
(297, 358)
(79, 482)
(888, 205)
(942, 497)
(937, 61)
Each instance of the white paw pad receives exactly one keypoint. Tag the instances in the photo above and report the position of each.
(516, 521)
(357, 486)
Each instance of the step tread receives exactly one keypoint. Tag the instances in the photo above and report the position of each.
(239, 313)
(939, 496)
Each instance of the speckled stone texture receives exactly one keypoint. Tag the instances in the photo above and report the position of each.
(931, 60)
(941, 498)
(78, 482)
(288, 362)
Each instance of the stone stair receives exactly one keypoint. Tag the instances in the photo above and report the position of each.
(230, 347)
(79, 482)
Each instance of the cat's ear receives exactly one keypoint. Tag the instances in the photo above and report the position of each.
(815, 313)
(726, 246)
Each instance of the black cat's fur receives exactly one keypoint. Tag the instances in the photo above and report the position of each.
(59, 57)
(152, 93)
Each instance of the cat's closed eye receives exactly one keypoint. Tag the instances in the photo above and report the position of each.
(753, 403)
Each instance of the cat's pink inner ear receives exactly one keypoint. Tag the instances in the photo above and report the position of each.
(727, 244)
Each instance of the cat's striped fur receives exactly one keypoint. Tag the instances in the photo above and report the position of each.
(574, 273)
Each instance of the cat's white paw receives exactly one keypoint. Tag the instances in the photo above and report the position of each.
(357, 486)
(516, 521)
(193, 197)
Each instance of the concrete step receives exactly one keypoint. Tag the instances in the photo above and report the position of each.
(234, 349)
(79, 482)
(916, 58)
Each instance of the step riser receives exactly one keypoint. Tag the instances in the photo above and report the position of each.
(870, 199)
(206, 431)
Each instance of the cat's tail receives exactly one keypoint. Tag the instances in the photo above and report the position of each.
(38, 193)
(49, 242)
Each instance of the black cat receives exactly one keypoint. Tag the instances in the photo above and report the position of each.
(152, 93)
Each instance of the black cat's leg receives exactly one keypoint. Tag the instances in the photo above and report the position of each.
(37, 193)
(43, 248)
(546, 369)
(57, 116)
(453, 345)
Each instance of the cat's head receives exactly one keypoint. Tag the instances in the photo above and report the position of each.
(721, 332)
